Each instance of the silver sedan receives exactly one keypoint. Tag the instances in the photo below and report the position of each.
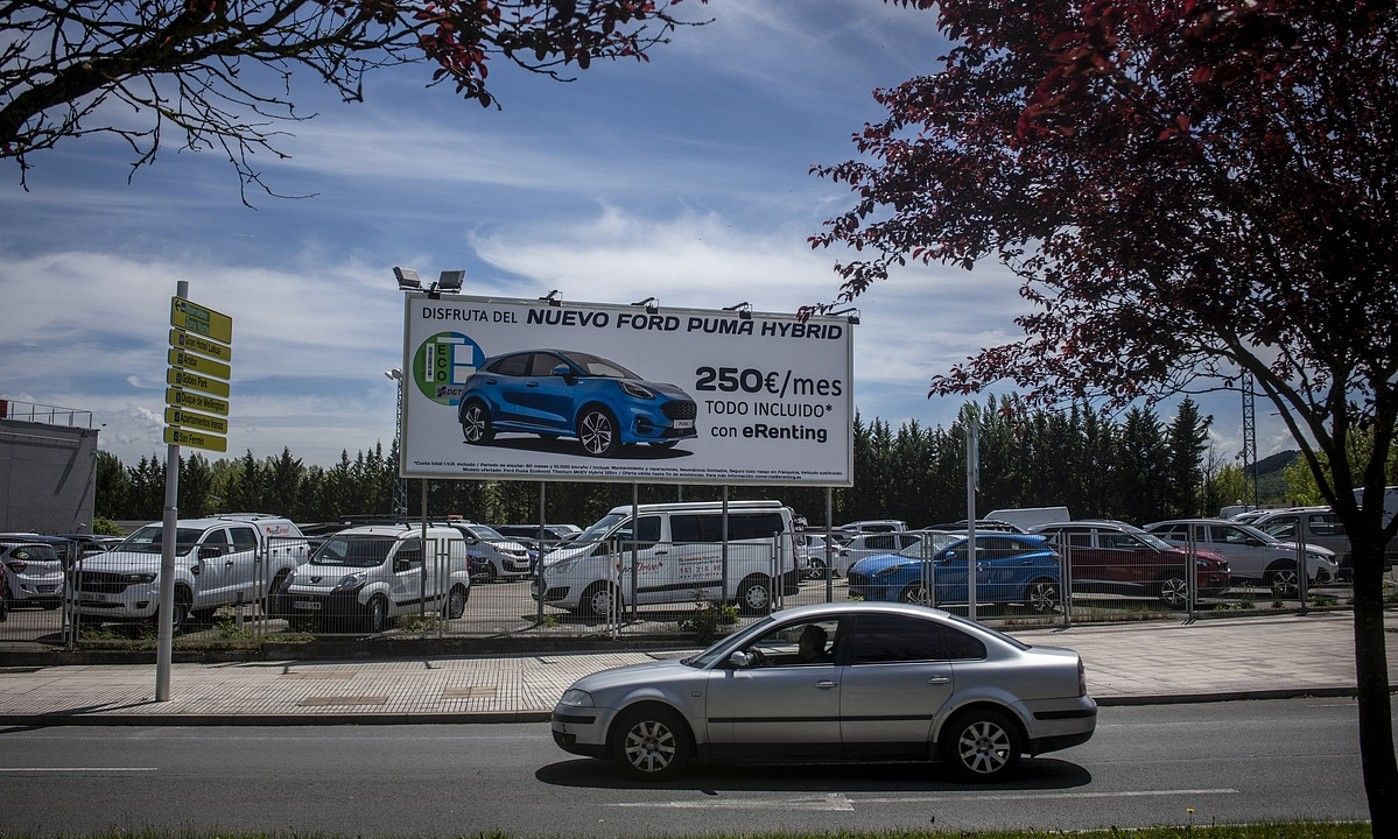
(837, 681)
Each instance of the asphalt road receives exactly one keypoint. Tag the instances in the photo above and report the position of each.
(1228, 762)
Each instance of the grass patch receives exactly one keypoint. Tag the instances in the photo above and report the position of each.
(1271, 830)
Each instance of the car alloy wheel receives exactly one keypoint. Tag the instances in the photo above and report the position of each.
(815, 570)
(1174, 590)
(475, 424)
(985, 746)
(1284, 582)
(1042, 597)
(915, 593)
(597, 433)
(652, 743)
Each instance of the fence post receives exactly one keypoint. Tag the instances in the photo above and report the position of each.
(1065, 587)
(1192, 587)
(1303, 577)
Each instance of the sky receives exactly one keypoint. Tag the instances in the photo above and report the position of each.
(686, 178)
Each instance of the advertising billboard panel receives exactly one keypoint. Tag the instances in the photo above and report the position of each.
(526, 389)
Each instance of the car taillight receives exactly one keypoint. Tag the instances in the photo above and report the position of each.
(1082, 679)
(17, 566)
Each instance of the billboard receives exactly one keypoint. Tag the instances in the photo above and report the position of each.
(527, 389)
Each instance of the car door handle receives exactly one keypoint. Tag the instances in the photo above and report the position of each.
(938, 680)
(227, 563)
(532, 384)
(659, 553)
(492, 382)
(826, 684)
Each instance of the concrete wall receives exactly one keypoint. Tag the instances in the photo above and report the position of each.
(47, 477)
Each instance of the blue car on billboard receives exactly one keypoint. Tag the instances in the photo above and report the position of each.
(1010, 568)
(563, 393)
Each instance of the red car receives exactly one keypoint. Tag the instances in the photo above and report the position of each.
(1116, 558)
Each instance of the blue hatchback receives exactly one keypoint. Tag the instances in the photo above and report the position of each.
(563, 393)
(1010, 568)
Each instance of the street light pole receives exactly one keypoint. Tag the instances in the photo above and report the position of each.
(400, 486)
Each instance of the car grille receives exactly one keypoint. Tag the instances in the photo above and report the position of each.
(858, 580)
(103, 582)
(680, 410)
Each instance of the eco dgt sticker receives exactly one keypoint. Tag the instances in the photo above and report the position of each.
(442, 364)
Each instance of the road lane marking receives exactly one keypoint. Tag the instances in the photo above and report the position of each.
(830, 802)
(78, 769)
(973, 796)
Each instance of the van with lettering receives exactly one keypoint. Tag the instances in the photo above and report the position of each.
(677, 553)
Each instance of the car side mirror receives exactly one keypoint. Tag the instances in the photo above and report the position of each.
(564, 371)
(210, 551)
(740, 660)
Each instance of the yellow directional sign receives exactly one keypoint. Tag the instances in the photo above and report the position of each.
(202, 320)
(182, 340)
(182, 378)
(189, 419)
(180, 437)
(178, 398)
(199, 364)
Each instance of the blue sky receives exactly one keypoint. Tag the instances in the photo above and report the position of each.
(685, 178)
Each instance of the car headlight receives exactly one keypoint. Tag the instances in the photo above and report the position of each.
(885, 572)
(140, 578)
(350, 581)
(633, 389)
(576, 698)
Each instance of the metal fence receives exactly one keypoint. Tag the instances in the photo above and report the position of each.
(485, 589)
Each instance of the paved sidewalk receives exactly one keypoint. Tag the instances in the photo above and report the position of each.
(1126, 664)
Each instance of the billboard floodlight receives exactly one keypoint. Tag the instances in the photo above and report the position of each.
(451, 280)
(744, 310)
(652, 305)
(552, 298)
(407, 278)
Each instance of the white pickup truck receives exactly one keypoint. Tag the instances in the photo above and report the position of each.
(219, 561)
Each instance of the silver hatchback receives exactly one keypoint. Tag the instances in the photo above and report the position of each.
(837, 681)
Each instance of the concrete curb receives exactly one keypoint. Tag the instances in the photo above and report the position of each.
(482, 718)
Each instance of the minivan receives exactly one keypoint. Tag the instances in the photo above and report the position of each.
(678, 555)
(367, 576)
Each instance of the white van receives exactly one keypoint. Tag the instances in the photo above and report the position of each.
(366, 576)
(679, 558)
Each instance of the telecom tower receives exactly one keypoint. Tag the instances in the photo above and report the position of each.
(1250, 435)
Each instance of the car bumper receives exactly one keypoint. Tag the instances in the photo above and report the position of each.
(581, 731)
(134, 602)
(23, 587)
(320, 605)
(1060, 723)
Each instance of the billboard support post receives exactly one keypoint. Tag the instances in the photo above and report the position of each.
(422, 577)
(539, 567)
(635, 541)
(164, 650)
(723, 535)
(829, 554)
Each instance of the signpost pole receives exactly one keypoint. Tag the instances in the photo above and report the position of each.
(635, 542)
(165, 610)
(422, 593)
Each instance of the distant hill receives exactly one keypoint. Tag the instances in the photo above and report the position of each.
(1271, 478)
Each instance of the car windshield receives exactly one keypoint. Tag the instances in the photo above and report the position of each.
(356, 551)
(711, 656)
(600, 529)
(486, 533)
(148, 539)
(929, 546)
(597, 366)
(1266, 538)
(34, 553)
(1153, 540)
